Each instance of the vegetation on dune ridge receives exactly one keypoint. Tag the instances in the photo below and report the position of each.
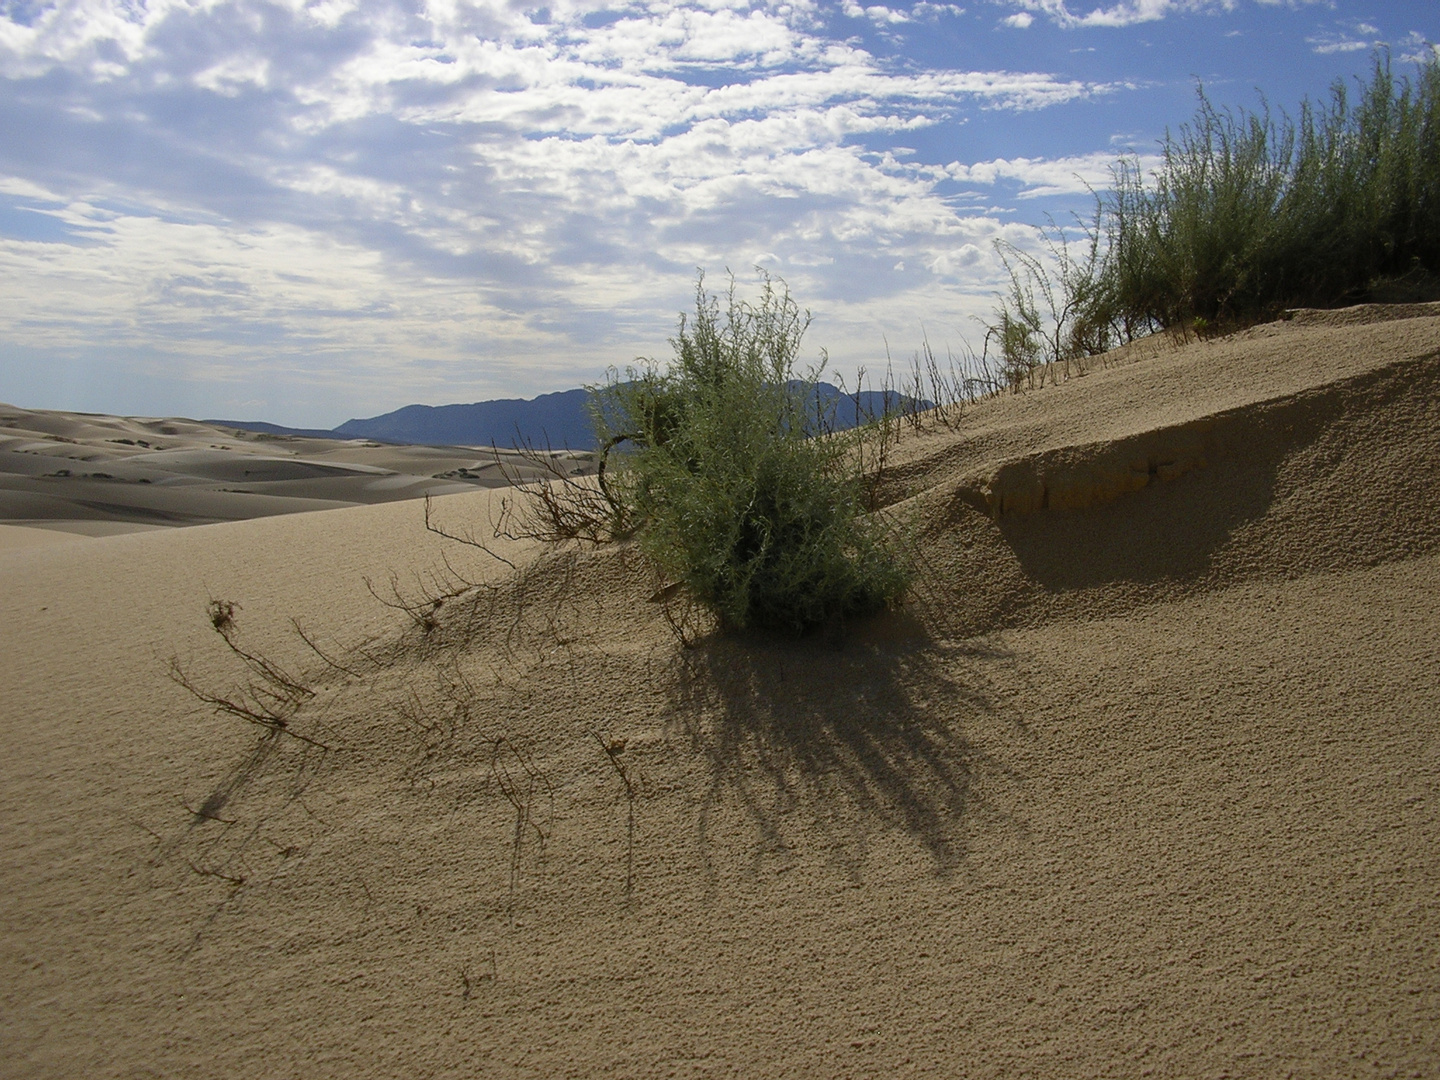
(736, 502)
(1247, 215)
(724, 486)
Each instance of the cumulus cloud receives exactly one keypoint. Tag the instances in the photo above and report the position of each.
(876, 13)
(445, 193)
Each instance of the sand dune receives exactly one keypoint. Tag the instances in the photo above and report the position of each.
(98, 475)
(1144, 779)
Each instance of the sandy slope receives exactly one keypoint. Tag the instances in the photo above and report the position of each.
(1145, 780)
(80, 474)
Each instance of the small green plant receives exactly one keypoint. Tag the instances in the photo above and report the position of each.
(733, 479)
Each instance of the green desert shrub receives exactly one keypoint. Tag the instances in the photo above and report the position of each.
(735, 487)
(1248, 213)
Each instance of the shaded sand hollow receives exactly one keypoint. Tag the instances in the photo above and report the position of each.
(1143, 780)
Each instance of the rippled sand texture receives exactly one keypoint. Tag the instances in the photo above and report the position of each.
(1144, 779)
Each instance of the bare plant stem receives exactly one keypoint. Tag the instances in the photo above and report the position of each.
(612, 753)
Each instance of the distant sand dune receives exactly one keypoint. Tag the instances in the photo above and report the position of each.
(60, 469)
(1144, 779)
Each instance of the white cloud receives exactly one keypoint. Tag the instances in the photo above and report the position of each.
(1039, 177)
(1021, 20)
(263, 306)
(1070, 14)
(1356, 37)
(443, 195)
(1415, 49)
(1324, 46)
(233, 74)
(925, 10)
(884, 17)
(876, 13)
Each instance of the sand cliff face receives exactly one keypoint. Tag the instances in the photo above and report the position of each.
(1145, 778)
(1077, 477)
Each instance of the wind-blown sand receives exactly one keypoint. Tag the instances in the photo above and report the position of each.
(1143, 781)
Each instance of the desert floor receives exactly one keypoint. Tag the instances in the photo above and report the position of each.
(1144, 779)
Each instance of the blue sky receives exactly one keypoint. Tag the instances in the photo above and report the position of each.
(307, 211)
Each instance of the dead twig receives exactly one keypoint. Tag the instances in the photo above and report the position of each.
(269, 700)
(424, 611)
(227, 878)
(466, 538)
(612, 749)
(556, 508)
(300, 630)
(521, 783)
(222, 618)
(256, 710)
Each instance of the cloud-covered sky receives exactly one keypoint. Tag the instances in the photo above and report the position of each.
(307, 211)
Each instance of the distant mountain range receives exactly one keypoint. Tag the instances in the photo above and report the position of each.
(559, 421)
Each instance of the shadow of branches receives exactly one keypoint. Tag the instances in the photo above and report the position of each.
(874, 726)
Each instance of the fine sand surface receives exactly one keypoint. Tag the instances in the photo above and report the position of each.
(1145, 780)
(79, 474)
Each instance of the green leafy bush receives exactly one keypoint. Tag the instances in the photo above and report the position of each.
(727, 485)
(1251, 213)
(1248, 213)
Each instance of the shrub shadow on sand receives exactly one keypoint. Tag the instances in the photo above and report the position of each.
(853, 737)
